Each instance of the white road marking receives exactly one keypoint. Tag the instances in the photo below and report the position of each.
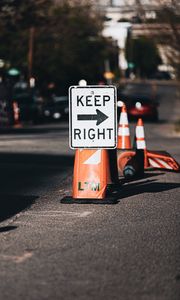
(17, 259)
(54, 213)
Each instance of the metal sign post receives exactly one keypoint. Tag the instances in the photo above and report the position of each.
(93, 115)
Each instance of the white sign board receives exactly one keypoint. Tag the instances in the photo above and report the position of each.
(93, 116)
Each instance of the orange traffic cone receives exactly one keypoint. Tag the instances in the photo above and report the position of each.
(140, 141)
(16, 114)
(124, 142)
(91, 175)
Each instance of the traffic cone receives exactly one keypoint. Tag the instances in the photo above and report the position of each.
(16, 115)
(90, 179)
(140, 142)
(124, 142)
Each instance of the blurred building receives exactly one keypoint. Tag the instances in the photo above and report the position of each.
(140, 17)
(131, 10)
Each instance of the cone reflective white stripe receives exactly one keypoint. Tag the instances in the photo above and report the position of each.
(163, 163)
(140, 141)
(159, 163)
(141, 144)
(140, 131)
(94, 159)
(153, 163)
(123, 131)
(123, 118)
(140, 136)
(162, 160)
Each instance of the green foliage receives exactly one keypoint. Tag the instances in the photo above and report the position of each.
(16, 19)
(68, 44)
(20, 14)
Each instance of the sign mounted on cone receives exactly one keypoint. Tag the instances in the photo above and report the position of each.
(92, 117)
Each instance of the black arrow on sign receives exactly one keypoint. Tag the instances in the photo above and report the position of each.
(99, 117)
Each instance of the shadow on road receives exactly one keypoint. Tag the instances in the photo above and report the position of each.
(11, 205)
(146, 175)
(147, 186)
(21, 173)
(7, 228)
(24, 175)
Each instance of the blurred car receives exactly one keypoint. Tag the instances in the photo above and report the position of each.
(56, 108)
(140, 99)
(6, 113)
(137, 89)
(161, 75)
(6, 108)
(28, 103)
(141, 107)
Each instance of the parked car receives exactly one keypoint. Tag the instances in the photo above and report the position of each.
(161, 75)
(28, 103)
(6, 113)
(141, 107)
(140, 99)
(56, 108)
(6, 109)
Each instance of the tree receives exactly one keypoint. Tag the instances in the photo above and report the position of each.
(170, 38)
(68, 44)
(75, 46)
(17, 18)
(168, 14)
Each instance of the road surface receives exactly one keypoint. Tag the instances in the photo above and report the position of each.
(50, 250)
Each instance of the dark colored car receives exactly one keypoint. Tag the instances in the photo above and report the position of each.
(56, 108)
(29, 104)
(141, 100)
(6, 108)
(6, 113)
(141, 107)
(161, 75)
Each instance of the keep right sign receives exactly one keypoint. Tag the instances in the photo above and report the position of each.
(93, 116)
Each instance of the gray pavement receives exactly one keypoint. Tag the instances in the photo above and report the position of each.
(50, 250)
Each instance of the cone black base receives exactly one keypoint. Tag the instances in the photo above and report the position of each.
(70, 200)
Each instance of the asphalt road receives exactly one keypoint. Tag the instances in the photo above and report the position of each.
(50, 250)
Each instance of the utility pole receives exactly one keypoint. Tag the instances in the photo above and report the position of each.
(31, 52)
(140, 9)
